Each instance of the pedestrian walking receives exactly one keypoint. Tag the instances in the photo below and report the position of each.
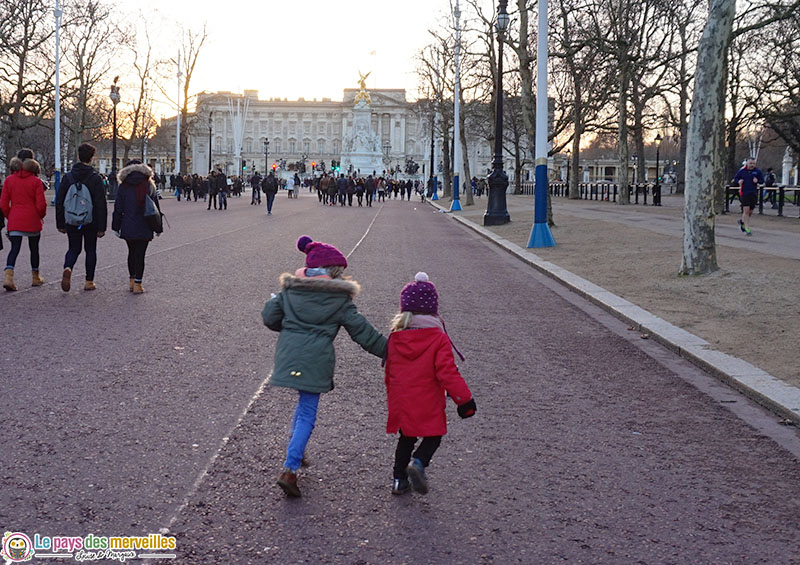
(82, 233)
(308, 311)
(255, 183)
(748, 177)
(369, 187)
(341, 187)
(128, 220)
(381, 190)
(420, 369)
(290, 186)
(270, 186)
(23, 205)
(213, 189)
(296, 189)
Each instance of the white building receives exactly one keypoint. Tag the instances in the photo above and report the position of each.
(314, 130)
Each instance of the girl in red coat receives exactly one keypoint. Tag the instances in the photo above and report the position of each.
(24, 206)
(420, 368)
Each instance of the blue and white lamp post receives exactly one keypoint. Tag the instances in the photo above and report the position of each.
(457, 157)
(540, 234)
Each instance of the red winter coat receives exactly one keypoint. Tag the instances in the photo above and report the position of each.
(22, 202)
(419, 369)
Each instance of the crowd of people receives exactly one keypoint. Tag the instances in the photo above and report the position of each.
(81, 214)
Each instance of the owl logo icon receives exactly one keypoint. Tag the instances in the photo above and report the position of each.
(17, 547)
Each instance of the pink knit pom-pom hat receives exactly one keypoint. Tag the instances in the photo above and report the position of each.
(320, 254)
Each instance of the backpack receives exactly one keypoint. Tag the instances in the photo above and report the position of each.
(152, 215)
(78, 205)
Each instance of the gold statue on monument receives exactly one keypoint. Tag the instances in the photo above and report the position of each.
(363, 94)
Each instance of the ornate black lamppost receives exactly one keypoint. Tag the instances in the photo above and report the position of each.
(266, 155)
(112, 182)
(657, 185)
(496, 212)
(210, 125)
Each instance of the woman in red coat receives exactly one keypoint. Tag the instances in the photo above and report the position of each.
(420, 368)
(23, 204)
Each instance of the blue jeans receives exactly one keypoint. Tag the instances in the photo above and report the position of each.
(305, 416)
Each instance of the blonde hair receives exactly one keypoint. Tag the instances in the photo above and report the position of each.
(335, 272)
(401, 321)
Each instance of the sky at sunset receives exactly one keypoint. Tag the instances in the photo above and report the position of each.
(306, 48)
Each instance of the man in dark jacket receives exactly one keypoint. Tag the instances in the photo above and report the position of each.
(255, 183)
(222, 190)
(341, 186)
(85, 236)
(270, 186)
(212, 190)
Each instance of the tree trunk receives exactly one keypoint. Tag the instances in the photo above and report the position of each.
(466, 183)
(703, 161)
(622, 135)
(574, 193)
(447, 180)
(683, 113)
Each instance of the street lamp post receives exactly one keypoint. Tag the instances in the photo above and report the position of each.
(57, 118)
(456, 204)
(433, 145)
(266, 155)
(210, 124)
(540, 232)
(496, 212)
(387, 147)
(115, 100)
(657, 185)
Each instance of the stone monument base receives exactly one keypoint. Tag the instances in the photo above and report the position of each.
(363, 163)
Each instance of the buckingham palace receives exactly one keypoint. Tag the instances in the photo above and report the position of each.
(308, 131)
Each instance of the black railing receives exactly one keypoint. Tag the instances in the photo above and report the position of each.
(602, 191)
(778, 195)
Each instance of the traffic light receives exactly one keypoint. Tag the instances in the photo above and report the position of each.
(244, 165)
(274, 166)
(313, 165)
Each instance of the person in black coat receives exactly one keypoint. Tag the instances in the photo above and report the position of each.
(84, 236)
(212, 189)
(128, 220)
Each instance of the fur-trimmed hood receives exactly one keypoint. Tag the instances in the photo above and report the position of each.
(138, 168)
(350, 287)
(30, 165)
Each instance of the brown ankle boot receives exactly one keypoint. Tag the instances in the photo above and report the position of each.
(8, 280)
(288, 482)
(66, 279)
(36, 279)
(130, 284)
(89, 285)
(138, 288)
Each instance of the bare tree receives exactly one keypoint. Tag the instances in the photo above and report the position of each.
(138, 121)
(90, 42)
(26, 69)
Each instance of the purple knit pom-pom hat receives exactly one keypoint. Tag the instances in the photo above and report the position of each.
(420, 296)
(320, 254)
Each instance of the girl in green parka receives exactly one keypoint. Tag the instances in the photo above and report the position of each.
(308, 311)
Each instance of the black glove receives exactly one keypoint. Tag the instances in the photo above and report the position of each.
(467, 409)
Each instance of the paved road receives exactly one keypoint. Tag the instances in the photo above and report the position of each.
(127, 414)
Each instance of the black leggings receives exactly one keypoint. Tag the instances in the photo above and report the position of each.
(85, 238)
(136, 251)
(405, 445)
(16, 245)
